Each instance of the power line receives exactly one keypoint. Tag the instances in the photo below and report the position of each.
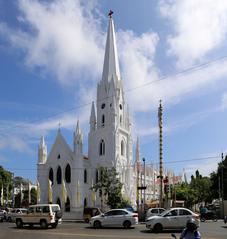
(166, 77)
(130, 166)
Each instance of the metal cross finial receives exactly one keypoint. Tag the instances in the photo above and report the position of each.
(110, 13)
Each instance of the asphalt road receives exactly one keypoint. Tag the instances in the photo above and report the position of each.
(208, 230)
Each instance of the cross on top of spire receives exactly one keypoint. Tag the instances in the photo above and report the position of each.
(110, 13)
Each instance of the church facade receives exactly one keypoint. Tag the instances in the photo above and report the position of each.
(69, 174)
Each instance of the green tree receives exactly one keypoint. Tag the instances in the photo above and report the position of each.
(219, 180)
(201, 185)
(18, 181)
(186, 193)
(198, 190)
(110, 187)
(6, 183)
(215, 185)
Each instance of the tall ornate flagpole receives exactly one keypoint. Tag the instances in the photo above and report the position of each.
(160, 153)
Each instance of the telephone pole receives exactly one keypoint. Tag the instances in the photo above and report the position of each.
(160, 109)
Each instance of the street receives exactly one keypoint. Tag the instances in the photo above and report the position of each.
(209, 230)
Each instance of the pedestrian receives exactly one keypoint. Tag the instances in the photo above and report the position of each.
(190, 232)
(203, 211)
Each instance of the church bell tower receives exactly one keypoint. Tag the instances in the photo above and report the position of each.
(110, 142)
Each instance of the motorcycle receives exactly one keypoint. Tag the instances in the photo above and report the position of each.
(210, 215)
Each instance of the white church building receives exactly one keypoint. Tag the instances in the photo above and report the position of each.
(109, 145)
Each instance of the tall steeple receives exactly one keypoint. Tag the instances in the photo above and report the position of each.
(42, 153)
(92, 118)
(78, 139)
(110, 142)
(111, 64)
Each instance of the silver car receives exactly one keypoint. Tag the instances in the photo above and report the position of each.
(174, 218)
(154, 211)
(14, 212)
(115, 218)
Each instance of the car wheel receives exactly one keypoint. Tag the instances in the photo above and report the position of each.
(158, 228)
(43, 224)
(54, 225)
(202, 219)
(97, 224)
(19, 223)
(127, 224)
(9, 219)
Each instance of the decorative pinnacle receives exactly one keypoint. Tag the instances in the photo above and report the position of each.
(110, 13)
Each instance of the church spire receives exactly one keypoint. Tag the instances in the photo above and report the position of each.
(78, 139)
(78, 132)
(42, 153)
(111, 64)
(92, 118)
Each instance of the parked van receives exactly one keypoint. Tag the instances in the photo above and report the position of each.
(90, 212)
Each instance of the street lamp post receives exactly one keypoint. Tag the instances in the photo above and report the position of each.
(222, 184)
(144, 184)
(160, 114)
(13, 196)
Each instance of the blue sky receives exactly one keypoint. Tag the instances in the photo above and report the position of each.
(51, 59)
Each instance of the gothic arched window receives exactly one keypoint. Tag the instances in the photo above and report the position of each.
(103, 120)
(85, 176)
(122, 148)
(102, 147)
(67, 205)
(51, 175)
(59, 177)
(68, 174)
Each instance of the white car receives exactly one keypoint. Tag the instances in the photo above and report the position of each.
(154, 211)
(2, 215)
(11, 215)
(115, 217)
(40, 214)
(174, 218)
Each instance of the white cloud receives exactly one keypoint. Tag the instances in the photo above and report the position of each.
(173, 89)
(64, 38)
(200, 26)
(19, 136)
(137, 60)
